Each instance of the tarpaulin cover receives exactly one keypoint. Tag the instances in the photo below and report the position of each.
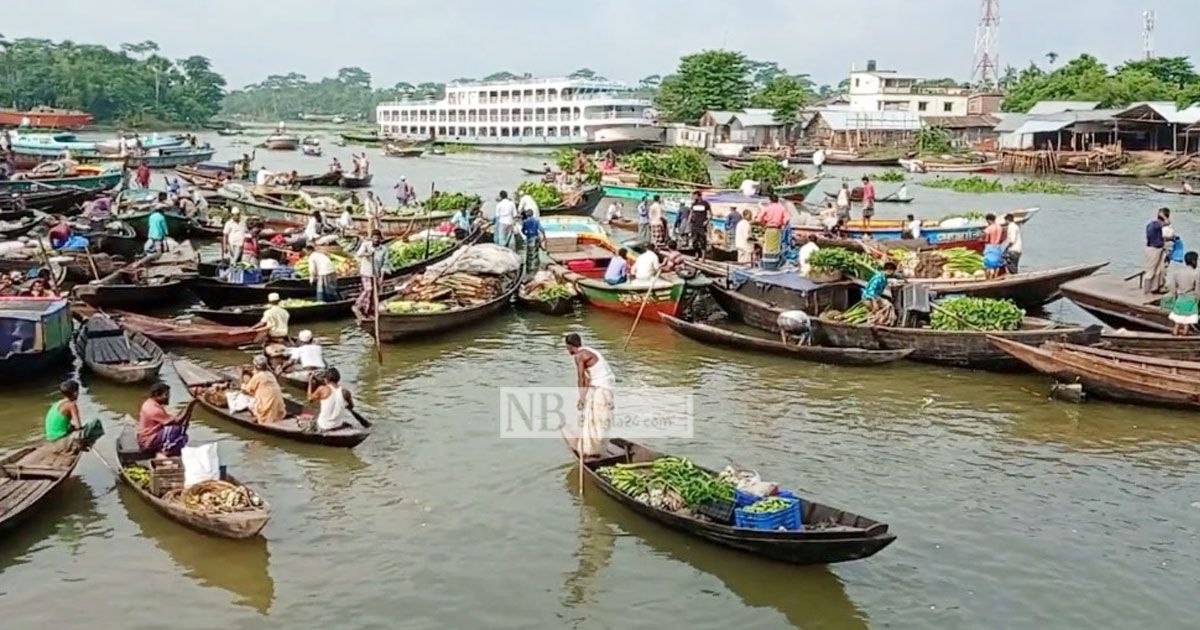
(786, 278)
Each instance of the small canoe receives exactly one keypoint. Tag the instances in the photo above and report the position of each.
(585, 207)
(829, 534)
(708, 333)
(555, 306)
(193, 375)
(856, 197)
(670, 295)
(392, 150)
(246, 523)
(1170, 191)
(1112, 375)
(537, 171)
(27, 479)
(173, 332)
(119, 355)
(1081, 173)
(21, 227)
(122, 289)
(351, 181)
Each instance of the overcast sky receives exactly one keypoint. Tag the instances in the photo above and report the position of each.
(440, 40)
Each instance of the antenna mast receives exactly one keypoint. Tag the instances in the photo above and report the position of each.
(985, 66)
(1148, 34)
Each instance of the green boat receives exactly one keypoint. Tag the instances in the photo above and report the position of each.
(791, 192)
(107, 180)
(362, 137)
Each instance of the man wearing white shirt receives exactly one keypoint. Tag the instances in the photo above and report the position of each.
(312, 229)
(741, 239)
(749, 187)
(912, 227)
(528, 203)
(646, 266)
(1012, 245)
(234, 233)
(506, 217)
(322, 273)
(806, 252)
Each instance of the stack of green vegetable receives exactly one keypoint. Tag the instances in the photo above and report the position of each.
(676, 474)
(404, 253)
(836, 259)
(566, 159)
(768, 505)
(449, 202)
(961, 262)
(766, 171)
(890, 175)
(297, 303)
(412, 306)
(970, 215)
(976, 314)
(544, 193)
(558, 291)
(343, 264)
(1041, 187)
(677, 166)
(138, 475)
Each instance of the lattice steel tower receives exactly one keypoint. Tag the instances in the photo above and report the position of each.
(1148, 34)
(985, 66)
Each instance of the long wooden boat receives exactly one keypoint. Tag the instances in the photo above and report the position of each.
(46, 117)
(121, 289)
(21, 227)
(280, 215)
(177, 333)
(792, 192)
(1112, 375)
(393, 150)
(114, 353)
(251, 315)
(53, 200)
(404, 326)
(1170, 191)
(1151, 344)
(838, 158)
(1119, 303)
(924, 166)
(537, 171)
(178, 225)
(1082, 173)
(171, 157)
(968, 349)
(28, 477)
(282, 142)
(352, 181)
(829, 535)
(241, 524)
(193, 375)
(363, 137)
(38, 333)
(856, 195)
(708, 333)
(104, 181)
(670, 295)
(1029, 290)
(970, 235)
(116, 238)
(585, 207)
(332, 178)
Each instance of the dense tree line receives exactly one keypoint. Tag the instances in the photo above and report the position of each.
(134, 85)
(1086, 79)
(728, 80)
(286, 96)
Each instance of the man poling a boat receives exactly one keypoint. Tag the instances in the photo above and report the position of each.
(371, 255)
(596, 381)
(334, 401)
(157, 429)
(658, 224)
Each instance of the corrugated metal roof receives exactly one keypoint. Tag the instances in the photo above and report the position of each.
(1056, 107)
(720, 117)
(1166, 110)
(1042, 126)
(843, 120)
(1010, 122)
(757, 118)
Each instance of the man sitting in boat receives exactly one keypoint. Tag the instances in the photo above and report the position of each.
(62, 418)
(274, 320)
(157, 429)
(647, 266)
(268, 397)
(307, 355)
(618, 268)
(61, 236)
(596, 382)
(335, 402)
(335, 166)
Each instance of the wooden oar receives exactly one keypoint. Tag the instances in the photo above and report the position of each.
(361, 420)
(87, 249)
(642, 308)
(377, 285)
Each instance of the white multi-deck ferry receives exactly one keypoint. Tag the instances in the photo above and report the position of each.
(527, 113)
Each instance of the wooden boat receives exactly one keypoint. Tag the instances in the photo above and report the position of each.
(171, 157)
(1118, 303)
(792, 192)
(395, 150)
(281, 142)
(708, 333)
(1170, 191)
(178, 224)
(28, 477)
(403, 326)
(586, 206)
(274, 211)
(830, 534)
(76, 265)
(116, 238)
(127, 289)
(845, 158)
(21, 227)
(119, 355)
(179, 333)
(1029, 290)
(925, 166)
(352, 181)
(555, 306)
(320, 179)
(363, 137)
(1074, 171)
(251, 315)
(241, 524)
(537, 171)
(193, 375)
(856, 195)
(38, 336)
(1149, 344)
(969, 349)
(969, 235)
(46, 117)
(231, 132)
(106, 180)
(63, 201)
(1112, 375)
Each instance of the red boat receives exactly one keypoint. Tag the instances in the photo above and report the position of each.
(45, 117)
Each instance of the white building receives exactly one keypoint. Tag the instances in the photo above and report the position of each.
(873, 90)
(525, 113)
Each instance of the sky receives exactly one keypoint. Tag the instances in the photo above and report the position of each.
(406, 40)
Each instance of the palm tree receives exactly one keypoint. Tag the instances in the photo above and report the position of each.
(1052, 57)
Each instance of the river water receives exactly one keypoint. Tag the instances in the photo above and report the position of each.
(1012, 510)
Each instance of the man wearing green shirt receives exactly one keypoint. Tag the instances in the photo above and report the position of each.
(156, 230)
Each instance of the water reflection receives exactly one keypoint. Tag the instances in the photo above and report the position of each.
(64, 519)
(808, 597)
(241, 567)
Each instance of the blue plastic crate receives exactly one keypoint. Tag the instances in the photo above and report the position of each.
(240, 275)
(745, 498)
(788, 518)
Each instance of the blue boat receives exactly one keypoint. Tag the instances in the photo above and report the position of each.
(35, 334)
(106, 179)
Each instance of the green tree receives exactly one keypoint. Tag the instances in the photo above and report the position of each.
(1085, 78)
(503, 75)
(1174, 71)
(713, 79)
(785, 94)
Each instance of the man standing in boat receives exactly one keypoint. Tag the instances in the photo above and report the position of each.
(868, 197)
(596, 382)
(1155, 262)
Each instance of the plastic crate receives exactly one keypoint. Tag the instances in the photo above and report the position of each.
(244, 276)
(718, 511)
(745, 498)
(788, 518)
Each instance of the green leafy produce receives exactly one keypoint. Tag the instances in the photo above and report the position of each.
(344, 265)
(544, 193)
(977, 184)
(554, 292)
(970, 215)
(690, 482)
(961, 260)
(409, 307)
(1044, 187)
(933, 141)
(138, 475)
(975, 314)
(566, 159)
(766, 171)
(890, 175)
(404, 253)
(857, 314)
(297, 303)
(675, 167)
(835, 259)
(769, 505)
(449, 202)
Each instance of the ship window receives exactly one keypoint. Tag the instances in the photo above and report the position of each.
(552, 132)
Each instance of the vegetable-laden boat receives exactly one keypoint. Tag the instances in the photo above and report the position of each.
(555, 299)
(856, 195)
(119, 355)
(356, 181)
(829, 535)
(299, 310)
(620, 190)
(1119, 303)
(1171, 191)
(289, 428)
(132, 288)
(1028, 290)
(28, 477)
(236, 511)
(180, 333)
(1112, 375)
(419, 316)
(939, 233)
(106, 180)
(708, 333)
(37, 334)
(275, 210)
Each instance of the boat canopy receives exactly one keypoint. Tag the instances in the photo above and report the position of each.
(33, 325)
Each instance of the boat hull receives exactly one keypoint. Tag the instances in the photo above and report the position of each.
(47, 119)
(627, 298)
(792, 192)
(105, 181)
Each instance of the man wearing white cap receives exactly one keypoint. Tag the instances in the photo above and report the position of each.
(307, 355)
(235, 235)
(274, 320)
